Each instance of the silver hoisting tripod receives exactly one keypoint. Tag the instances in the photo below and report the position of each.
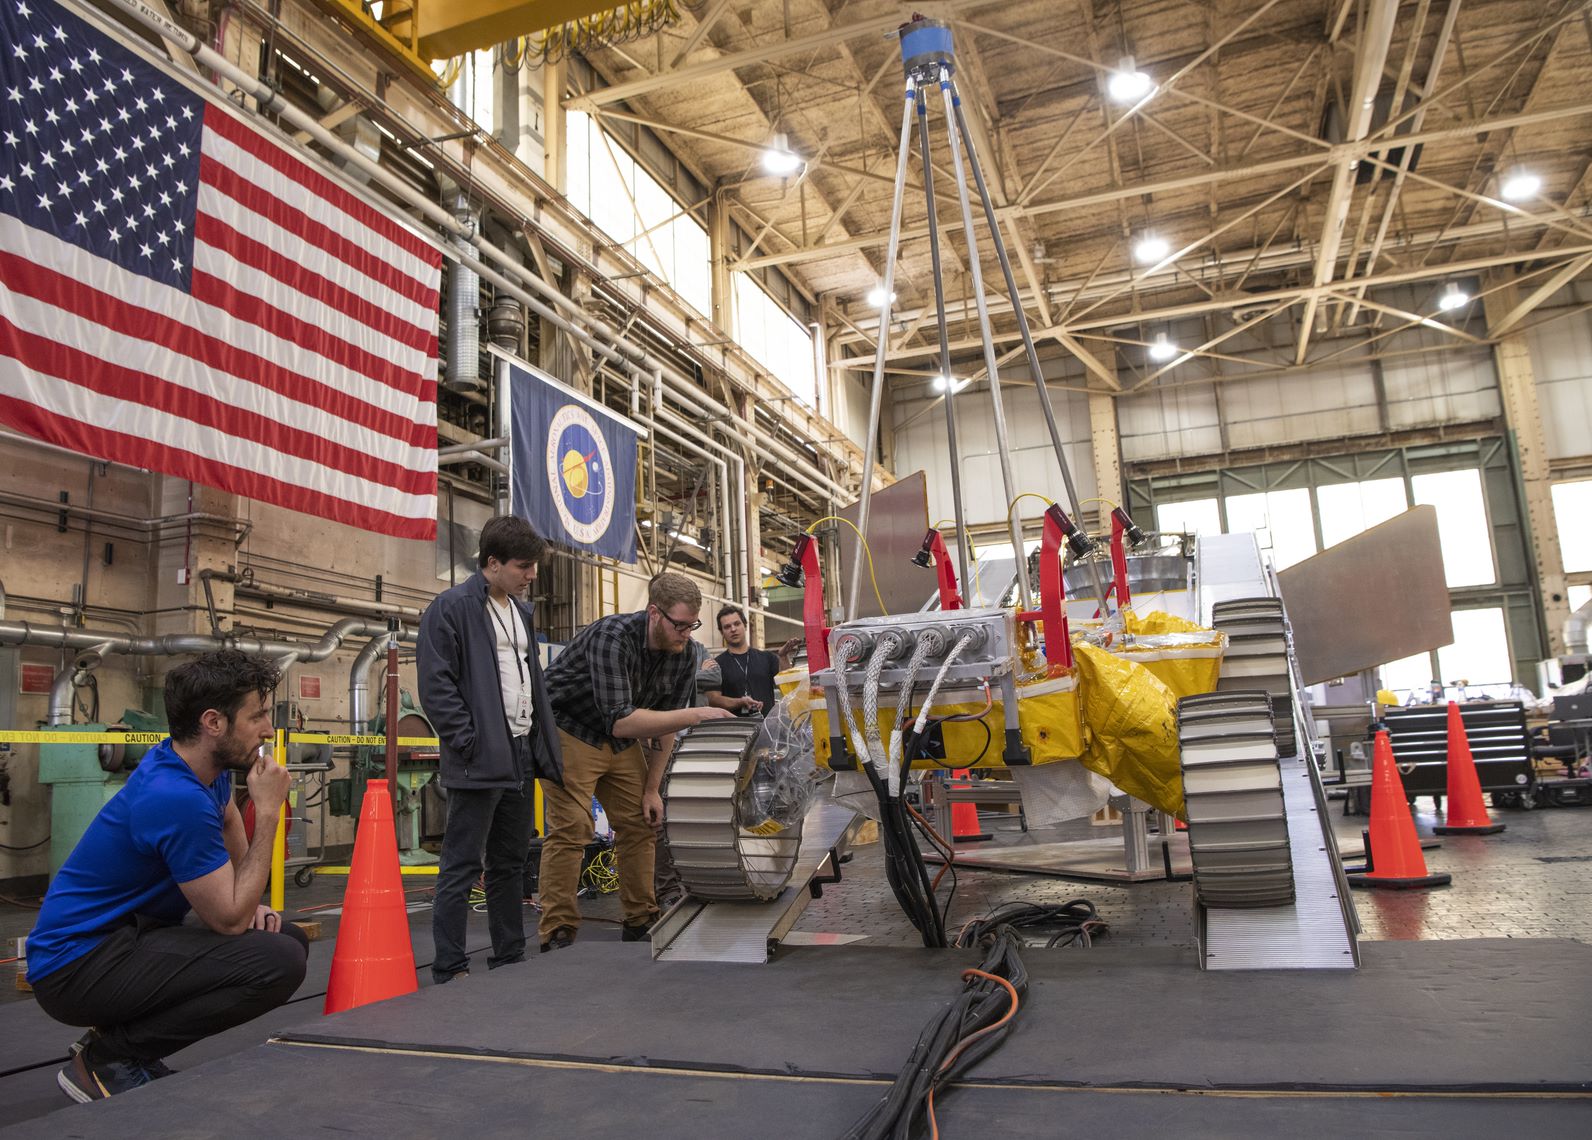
(928, 56)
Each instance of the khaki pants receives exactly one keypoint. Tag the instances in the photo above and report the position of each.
(617, 780)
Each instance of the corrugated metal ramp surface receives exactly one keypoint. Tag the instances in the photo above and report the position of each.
(1317, 931)
(742, 931)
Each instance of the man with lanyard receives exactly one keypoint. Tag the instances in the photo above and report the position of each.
(481, 685)
(624, 680)
(110, 948)
(743, 680)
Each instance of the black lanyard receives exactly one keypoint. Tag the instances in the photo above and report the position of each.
(509, 631)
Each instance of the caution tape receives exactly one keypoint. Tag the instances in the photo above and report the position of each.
(364, 741)
(67, 736)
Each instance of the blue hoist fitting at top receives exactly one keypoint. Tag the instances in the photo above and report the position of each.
(926, 48)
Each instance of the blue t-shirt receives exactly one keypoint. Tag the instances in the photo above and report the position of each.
(163, 828)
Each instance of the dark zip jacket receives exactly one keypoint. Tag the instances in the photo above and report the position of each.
(463, 696)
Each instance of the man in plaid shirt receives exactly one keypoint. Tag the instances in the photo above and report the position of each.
(624, 680)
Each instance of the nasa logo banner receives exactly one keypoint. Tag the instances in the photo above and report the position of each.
(573, 465)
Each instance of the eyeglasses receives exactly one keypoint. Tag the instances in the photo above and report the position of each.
(681, 626)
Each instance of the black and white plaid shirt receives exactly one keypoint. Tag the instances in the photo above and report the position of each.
(609, 671)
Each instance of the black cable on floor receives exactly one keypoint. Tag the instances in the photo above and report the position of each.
(971, 1027)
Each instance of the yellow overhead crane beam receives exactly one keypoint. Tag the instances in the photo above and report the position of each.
(453, 27)
(419, 31)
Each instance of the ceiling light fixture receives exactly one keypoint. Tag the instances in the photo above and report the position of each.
(1162, 350)
(1150, 248)
(876, 296)
(779, 158)
(1453, 297)
(1518, 185)
(1128, 83)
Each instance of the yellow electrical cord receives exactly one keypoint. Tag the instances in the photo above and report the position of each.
(1107, 502)
(866, 549)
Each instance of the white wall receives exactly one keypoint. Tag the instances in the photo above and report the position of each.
(1183, 413)
(1561, 356)
(921, 445)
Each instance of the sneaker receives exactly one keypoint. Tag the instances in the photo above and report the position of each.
(561, 937)
(84, 1082)
(444, 979)
(635, 932)
(158, 1069)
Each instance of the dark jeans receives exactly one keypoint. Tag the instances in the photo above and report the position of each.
(150, 989)
(496, 822)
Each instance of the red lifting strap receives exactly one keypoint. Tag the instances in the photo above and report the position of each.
(950, 596)
(1053, 598)
(813, 606)
(1119, 561)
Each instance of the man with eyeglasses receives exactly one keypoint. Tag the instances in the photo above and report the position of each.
(620, 691)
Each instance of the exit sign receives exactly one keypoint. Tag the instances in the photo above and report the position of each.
(36, 678)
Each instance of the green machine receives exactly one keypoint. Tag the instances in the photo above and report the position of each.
(84, 777)
(417, 768)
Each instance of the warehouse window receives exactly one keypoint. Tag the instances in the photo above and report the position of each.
(1282, 521)
(1479, 655)
(1461, 525)
(1348, 509)
(1194, 516)
(1572, 507)
(1408, 675)
(632, 207)
(775, 338)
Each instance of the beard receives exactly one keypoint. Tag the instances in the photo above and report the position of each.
(237, 753)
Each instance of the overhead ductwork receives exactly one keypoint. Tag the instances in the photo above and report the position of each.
(99, 643)
(463, 370)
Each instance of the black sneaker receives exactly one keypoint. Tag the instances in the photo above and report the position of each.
(84, 1082)
(561, 937)
(158, 1069)
(635, 932)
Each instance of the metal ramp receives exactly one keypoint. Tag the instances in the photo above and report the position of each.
(698, 931)
(1318, 930)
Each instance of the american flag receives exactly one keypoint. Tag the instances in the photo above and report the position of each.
(178, 292)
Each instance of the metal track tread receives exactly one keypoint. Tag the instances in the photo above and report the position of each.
(1316, 930)
(1237, 824)
(717, 857)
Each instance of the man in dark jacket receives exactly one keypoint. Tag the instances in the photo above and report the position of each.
(481, 684)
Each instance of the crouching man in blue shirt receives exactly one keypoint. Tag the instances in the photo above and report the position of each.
(110, 949)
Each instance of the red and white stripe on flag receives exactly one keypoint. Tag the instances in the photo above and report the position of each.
(289, 357)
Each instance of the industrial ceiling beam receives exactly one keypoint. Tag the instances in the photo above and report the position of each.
(1197, 178)
(1525, 306)
(1282, 260)
(1291, 295)
(774, 49)
(1376, 35)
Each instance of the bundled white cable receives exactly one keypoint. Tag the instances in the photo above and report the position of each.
(870, 708)
(848, 719)
(893, 759)
(939, 679)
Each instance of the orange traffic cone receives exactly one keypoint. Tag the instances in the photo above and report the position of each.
(964, 816)
(374, 959)
(1467, 814)
(1394, 855)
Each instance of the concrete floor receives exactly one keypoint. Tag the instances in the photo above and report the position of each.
(1531, 881)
